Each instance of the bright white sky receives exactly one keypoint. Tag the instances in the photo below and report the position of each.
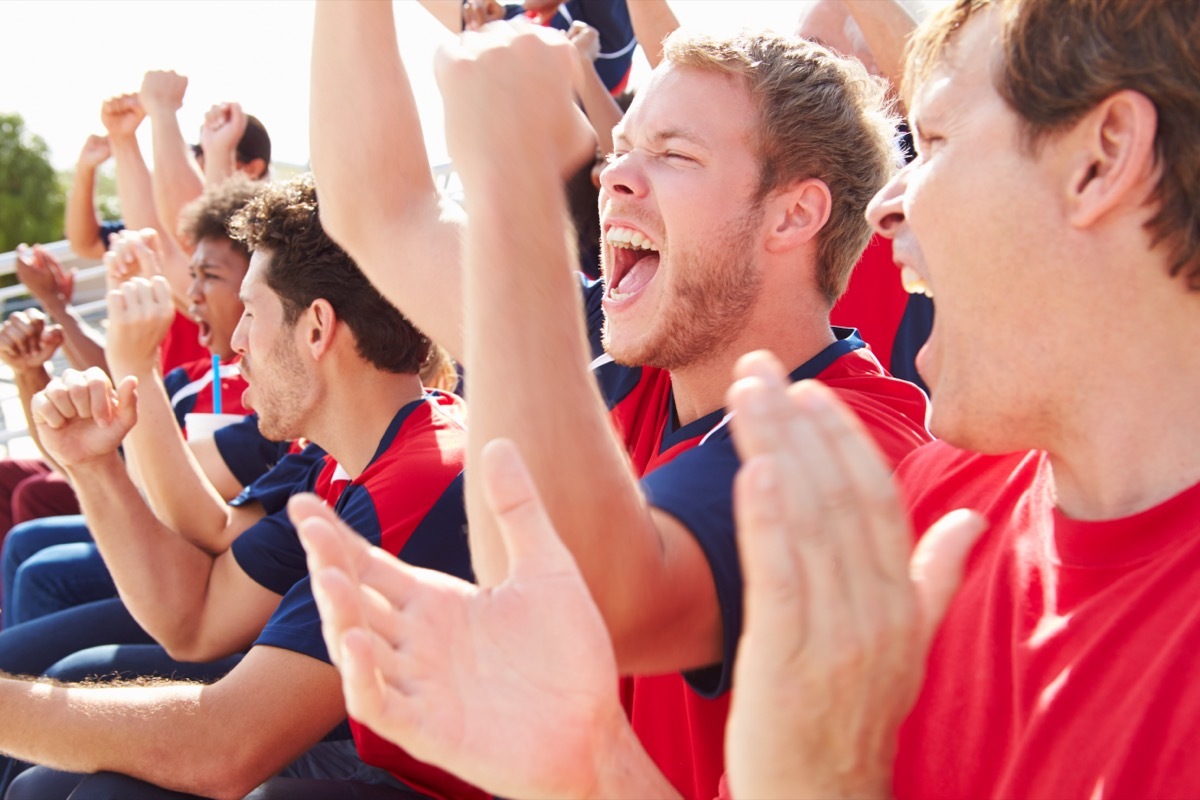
(63, 58)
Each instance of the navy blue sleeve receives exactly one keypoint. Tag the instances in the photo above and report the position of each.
(440, 540)
(296, 624)
(295, 472)
(269, 551)
(248, 454)
(174, 381)
(611, 20)
(697, 489)
(108, 229)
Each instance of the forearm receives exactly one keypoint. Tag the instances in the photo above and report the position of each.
(447, 12)
(378, 197)
(653, 21)
(625, 771)
(177, 180)
(134, 189)
(82, 344)
(163, 579)
(521, 289)
(602, 111)
(886, 26)
(82, 224)
(29, 382)
(170, 478)
(219, 165)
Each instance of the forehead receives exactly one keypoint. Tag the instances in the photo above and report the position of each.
(215, 251)
(685, 99)
(254, 285)
(963, 75)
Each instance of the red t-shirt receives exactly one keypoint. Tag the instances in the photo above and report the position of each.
(1063, 665)
(181, 345)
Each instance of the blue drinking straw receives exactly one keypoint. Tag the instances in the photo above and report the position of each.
(216, 380)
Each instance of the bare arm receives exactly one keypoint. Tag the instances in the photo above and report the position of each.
(378, 197)
(178, 736)
(653, 21)
(26, 344)
(649, 578)
(82, 223)
(197, 605)
(447, 12)
(140, 313)
(601, 109)
(177, 178)
(52, 286)
(886, 26)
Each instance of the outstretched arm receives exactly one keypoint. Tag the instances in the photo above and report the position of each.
(27, 342)
(505, 676)
(178, 735)
(378, 196)
(52, 287)
(653, 21)
(82, 223)
(838, 606)
(177, 178)
(886, 26)
(197, 605)
(524, 318)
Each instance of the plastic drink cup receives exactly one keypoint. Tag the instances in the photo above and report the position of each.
(199, 425)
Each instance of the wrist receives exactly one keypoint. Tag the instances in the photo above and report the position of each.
(621, 767)
(89, 470)
(121, 366)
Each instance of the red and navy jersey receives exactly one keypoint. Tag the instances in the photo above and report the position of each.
(688, 472)
(181, 345)
(190, 389)
(409, 501)
(611, 20)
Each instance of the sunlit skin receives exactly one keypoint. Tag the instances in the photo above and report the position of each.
(217, 270)
(997, 291)
(685, 181)
(279, 390)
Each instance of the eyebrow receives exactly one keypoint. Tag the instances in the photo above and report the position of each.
(665, 135)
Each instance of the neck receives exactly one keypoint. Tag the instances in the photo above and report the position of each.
(1128, 437)
(700, 387)
(357, 411)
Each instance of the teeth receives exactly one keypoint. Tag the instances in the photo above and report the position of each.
(628, 239)
(913, 283)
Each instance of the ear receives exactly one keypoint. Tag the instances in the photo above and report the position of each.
(320, 328)
(1116, 165)
(255, 168)
(796, 214)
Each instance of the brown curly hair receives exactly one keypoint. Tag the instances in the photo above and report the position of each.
(305, 264)
(208, 216)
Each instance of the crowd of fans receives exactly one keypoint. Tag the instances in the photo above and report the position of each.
(705, 532)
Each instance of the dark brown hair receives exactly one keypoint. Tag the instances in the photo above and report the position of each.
(305, 265)
(208, 216)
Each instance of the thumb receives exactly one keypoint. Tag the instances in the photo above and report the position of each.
(52, 336)
(936, 567)
(532, 545)
(127, 402)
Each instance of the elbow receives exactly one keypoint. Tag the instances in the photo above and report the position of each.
(193, 650)
(229, 774)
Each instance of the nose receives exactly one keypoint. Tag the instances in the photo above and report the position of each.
(623, 176)
(885, 212)
(240, 339)
(195, 292)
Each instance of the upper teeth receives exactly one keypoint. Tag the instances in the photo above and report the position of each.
(913, 283)
(624, 237)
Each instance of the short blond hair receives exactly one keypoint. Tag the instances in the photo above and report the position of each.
(821, 116)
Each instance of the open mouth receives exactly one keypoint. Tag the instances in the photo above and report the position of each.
(634, 262)
(205, 336)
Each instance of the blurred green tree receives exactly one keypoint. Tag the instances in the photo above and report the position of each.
(32, 200)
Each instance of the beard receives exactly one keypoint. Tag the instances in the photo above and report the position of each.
(711, 292)
(280, 389)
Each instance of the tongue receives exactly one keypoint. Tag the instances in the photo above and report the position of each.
(639, 275)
